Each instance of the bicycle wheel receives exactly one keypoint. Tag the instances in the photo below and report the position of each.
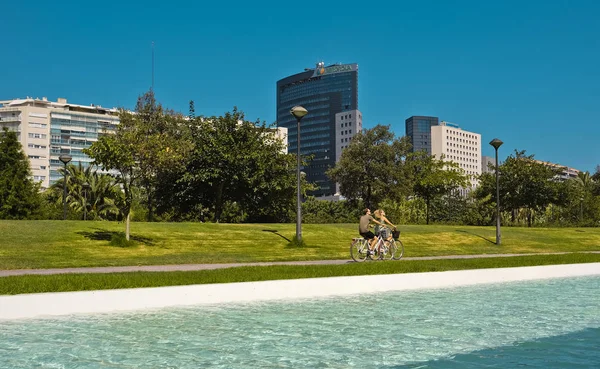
(358, 250)
(390, 249)
(399, 249)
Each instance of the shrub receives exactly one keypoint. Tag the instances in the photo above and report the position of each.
(119, 240)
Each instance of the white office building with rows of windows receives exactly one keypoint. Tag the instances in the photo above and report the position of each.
(49, 129)
(459, 146)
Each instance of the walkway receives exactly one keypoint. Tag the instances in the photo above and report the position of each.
(191, 267)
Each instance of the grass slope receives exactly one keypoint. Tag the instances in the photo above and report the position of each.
(60, 244)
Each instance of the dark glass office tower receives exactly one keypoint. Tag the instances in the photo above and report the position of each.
(418, 129)
(324, 92)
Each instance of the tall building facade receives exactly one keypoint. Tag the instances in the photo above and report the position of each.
(418, 130)
(347, 125)
(49, 129)
(324, 91)
(459, 146)
(486, 161)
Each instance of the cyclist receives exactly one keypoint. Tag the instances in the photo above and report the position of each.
(382, 229)
(363, 228)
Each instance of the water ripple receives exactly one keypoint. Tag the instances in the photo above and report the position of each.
(414, 329)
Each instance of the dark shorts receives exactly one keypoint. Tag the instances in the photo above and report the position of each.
(368, 235)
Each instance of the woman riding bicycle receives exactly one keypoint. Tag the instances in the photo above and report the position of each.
(380, 228)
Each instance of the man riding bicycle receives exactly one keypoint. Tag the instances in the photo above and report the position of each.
(363, 228)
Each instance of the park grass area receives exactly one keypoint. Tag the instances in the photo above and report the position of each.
(85, 282)
(62, 244)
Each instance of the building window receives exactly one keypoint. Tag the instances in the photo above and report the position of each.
(37, 135)
(37, 125)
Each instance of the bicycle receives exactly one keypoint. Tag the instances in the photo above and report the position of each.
(396, 245)
(383, 250)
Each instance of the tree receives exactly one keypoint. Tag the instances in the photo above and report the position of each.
(101, 200)
(372, 167)
(233, 161)
(159, 142)
(145, 143)
(524, 184)
(115, 153)
(19, 195)
(596, 176)
(434, 177)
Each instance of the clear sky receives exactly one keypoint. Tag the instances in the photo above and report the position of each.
(527, 72)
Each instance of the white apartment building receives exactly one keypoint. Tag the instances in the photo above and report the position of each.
(459, 146)
(49, 129)
(281, 133)
(347, 125)
(565, 172)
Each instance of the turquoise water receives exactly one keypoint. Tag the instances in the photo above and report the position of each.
(543, 324)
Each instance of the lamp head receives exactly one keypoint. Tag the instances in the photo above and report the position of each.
(496, 143)
(65, 158)
(299, 112)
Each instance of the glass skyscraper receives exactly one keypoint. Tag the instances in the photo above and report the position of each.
(418, 129)
(324, 91)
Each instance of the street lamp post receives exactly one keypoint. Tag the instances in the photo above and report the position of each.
(86, 187)
(65, 159)
(298, 112)
(496, 143)
(581, 209)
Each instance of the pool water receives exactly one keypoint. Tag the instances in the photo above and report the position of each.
(542, 324)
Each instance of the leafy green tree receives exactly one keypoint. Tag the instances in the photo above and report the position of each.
(115, 153)
(596, 175)
(233, 161)
(578, 200)
(145, 143)
(524, 184)
(19, 195)
(372, 168)
(528, 184)
(162, 146)
(434, 178)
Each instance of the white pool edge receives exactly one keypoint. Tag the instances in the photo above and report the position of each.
(90, 302)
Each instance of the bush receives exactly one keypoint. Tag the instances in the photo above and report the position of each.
(324, 211)
(120, 240)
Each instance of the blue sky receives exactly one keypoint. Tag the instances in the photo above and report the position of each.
(527, 72)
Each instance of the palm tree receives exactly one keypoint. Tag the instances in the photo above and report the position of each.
(583, 189)
(584, 181)
(100, 199)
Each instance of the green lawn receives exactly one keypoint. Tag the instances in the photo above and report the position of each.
(59, 244)
(84, 282)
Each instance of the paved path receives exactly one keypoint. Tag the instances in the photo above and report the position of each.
(189, 267)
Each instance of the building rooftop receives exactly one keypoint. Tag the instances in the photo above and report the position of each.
(61, 103)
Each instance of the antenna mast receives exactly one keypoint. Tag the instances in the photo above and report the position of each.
(152, 88)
